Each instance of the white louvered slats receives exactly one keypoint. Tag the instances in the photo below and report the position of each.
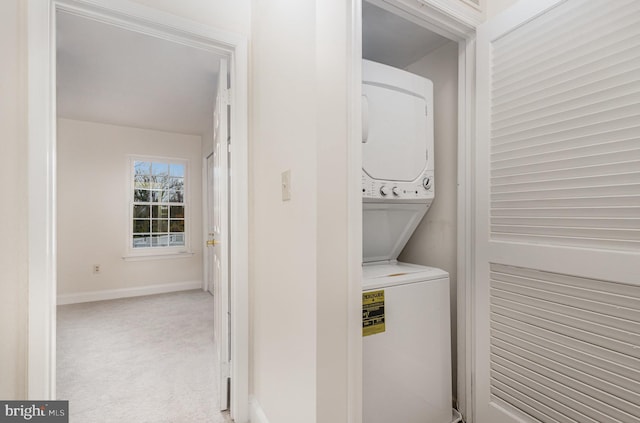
(557, 240)
(564, 348)
(565, 128)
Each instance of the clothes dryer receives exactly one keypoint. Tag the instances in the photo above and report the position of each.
(398, 184)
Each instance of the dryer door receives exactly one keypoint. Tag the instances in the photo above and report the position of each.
(395, 148)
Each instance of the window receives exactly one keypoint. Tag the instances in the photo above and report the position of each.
(158, 206)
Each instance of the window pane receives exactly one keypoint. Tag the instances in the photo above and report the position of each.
(177, 211)
(141, 195)
(177, 226)
(160, 169)
(141, 211)
(166, 196)
(176, 169)
(160, 226)
(142, 168)
(176, 240)
(160, 182)
(156, 196)
(176, 197)
(160, 211)
(140, 226)
(160, 240)
(143, 181)
(141, 241)
(175, 184)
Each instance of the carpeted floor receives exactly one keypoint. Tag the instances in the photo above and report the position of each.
(145, 359)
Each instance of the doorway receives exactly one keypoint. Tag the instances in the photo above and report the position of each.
(133, 111)
(42, 26)
(450, 30)
(394, 41)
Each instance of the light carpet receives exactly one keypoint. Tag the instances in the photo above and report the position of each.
(145, 359)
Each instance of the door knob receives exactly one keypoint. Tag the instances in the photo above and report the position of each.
(211, 242)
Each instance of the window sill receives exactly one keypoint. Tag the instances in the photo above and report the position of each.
(158, 256)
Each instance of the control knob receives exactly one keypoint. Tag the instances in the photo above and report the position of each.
(384, 191)
(426, 183)
(395, 190)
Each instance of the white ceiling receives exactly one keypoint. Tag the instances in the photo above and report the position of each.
(112, 75)
(394, 41)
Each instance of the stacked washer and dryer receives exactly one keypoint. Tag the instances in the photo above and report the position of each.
(406, 327)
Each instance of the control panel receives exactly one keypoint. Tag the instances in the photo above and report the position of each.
(420, 189)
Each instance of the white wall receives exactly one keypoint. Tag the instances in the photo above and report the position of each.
(283, 234)
(434, 241)
(230, 15)
(493, 7)
(298, 248)
(13, 206)
(333, 284)
(93, 206)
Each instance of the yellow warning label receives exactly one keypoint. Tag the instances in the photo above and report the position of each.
(372, 312)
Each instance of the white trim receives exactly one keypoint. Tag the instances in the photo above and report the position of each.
(159, 256)
(138, 291)
(42, 162)
(354, 216)
(257, 414)
(452, 20)
(239, 230)
(457, 24)
(466, 225)
(42, 201)
(133, 16)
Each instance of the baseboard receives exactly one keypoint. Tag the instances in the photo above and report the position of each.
(138, 291)
(256, 414)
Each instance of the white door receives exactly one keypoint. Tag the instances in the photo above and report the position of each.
(218, 243)
(558, 224)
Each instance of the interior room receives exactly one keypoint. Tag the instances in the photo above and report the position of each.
(134, 325)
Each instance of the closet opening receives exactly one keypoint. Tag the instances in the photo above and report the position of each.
(393, 37)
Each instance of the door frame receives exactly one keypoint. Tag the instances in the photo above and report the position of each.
(457, 21)
(41, 79)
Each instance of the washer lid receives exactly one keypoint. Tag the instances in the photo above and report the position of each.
(385, 274)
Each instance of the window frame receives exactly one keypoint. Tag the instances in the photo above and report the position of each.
(152, 253)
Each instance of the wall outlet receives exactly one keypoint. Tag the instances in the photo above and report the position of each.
(96, 268)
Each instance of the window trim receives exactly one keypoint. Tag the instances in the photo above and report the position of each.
(157, 253)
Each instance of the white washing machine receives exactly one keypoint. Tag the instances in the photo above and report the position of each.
(407, 368)
(406, 327)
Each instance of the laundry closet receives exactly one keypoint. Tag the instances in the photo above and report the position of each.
(404, 231)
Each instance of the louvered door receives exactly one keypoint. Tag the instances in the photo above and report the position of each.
(558, 225)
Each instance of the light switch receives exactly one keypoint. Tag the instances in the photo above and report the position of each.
(286, 185)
